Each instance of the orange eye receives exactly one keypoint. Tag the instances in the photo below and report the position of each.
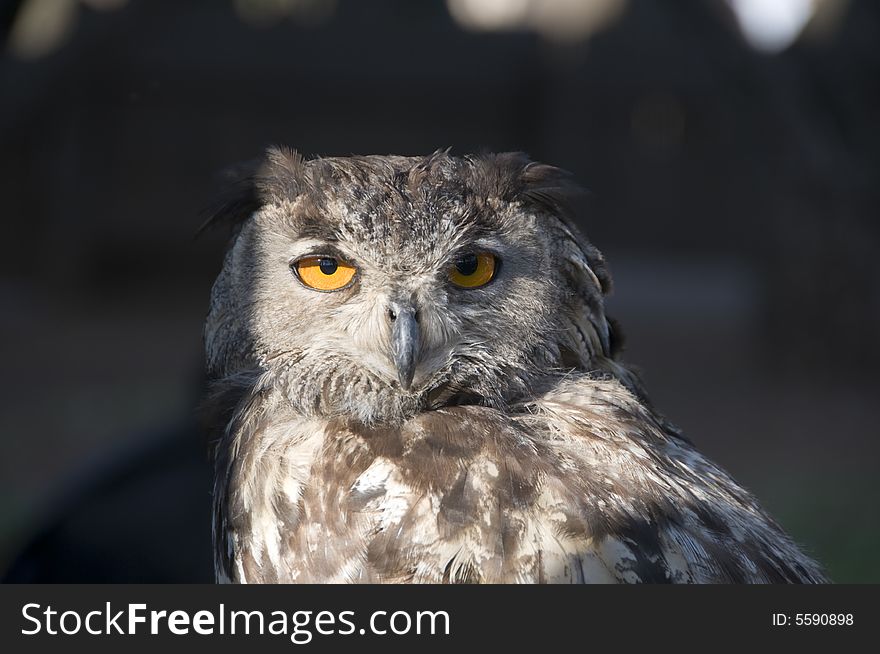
(473, 270)
(324, 273)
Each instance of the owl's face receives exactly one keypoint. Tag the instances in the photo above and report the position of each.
(374, 288)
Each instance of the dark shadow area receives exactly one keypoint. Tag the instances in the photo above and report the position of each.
(144, 518)
(733, 190)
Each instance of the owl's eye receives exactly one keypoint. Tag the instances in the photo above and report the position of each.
(324, 273)
(473, 270)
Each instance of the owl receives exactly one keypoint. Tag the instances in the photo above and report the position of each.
(413, 380)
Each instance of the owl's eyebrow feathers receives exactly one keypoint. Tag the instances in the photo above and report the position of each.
(317, 248)
(311, 226)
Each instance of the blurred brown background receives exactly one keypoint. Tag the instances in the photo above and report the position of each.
(732, 152)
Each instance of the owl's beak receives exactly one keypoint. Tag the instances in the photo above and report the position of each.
(404, 342)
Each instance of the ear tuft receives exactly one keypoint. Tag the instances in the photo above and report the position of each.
(282, 175)
(279, 176)
(550, 188)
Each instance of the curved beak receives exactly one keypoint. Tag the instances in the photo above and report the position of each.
(404, 342)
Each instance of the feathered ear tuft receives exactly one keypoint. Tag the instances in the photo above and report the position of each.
(512, 176)
(279, 176)
(550, 188)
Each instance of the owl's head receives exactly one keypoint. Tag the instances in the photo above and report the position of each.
(372, 288)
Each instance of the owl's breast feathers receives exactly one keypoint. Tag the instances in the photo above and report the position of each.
(582, 485)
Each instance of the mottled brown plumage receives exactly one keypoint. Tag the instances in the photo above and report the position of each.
(406, 429)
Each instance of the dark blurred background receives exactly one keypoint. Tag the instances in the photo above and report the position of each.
(731, 150)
